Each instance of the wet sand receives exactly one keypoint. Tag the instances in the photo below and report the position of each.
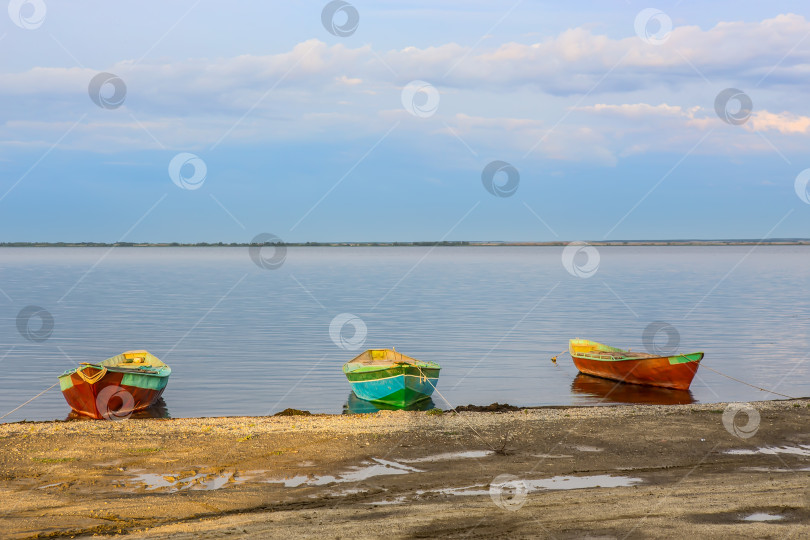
(602, 472)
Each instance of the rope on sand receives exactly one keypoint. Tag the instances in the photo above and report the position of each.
(29, 401)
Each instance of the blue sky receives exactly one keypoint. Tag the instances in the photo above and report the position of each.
(611, 126)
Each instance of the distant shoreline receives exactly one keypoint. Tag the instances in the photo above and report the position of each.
(769, 242)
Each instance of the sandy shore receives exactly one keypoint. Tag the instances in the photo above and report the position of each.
(606, 472)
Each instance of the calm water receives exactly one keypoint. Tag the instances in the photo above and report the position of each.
(247, 341)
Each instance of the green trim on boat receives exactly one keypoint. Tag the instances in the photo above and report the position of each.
(65, 382)
(150, 382)
(686, 358)
(677, 359)
(607, 357)
(404, 369)
(147, 377)
(350, 367)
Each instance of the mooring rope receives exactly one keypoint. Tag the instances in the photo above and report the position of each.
(554, 360)
(29, 401)
(745, 383)
(454, 409)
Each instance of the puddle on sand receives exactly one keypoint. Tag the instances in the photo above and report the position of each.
(450, 455)
(582, 482)
(773, 469)
(762, 516)
(342, 493)
(378, 467)
(586, 448)
(462, 491)
(551, 484)
(295, 481)
(396, 500)
(174, 482)
(800, 450)
(552, 456)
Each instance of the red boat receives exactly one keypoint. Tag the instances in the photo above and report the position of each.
(600, 360)
(116, 387)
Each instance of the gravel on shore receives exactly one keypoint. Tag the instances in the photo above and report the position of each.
(639, 471)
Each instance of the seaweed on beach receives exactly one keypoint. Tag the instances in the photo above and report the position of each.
(493, 407)
(293, 412)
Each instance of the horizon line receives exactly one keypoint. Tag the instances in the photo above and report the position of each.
(481, 243)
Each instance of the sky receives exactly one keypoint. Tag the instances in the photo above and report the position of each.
(198, 121)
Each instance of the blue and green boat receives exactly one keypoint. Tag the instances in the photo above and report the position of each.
(389, 377)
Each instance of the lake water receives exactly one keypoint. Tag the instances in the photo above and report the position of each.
(242, 340)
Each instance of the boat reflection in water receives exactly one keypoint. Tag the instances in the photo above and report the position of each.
(608, 391)
(355, 405)
(158, 410)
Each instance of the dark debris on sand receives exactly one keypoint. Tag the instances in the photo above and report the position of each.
(293, 412)
(493, 407)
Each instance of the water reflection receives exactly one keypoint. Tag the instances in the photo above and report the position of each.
(615, 392)
(158, 410)
(355, 405)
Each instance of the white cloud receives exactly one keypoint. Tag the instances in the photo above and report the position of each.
(666, 127)
(636, 110)
(295, 94)
(784, 122)
(567, 142)
(564, 63)
(343, 79)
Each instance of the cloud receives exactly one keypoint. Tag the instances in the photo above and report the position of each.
(521, 137)
(577, 60)
(636, 110)
(663, 127)
(502, 95)
(567, 63)
(343, 79)
(784, 122)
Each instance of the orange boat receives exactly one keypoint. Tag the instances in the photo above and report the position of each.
(600, 360)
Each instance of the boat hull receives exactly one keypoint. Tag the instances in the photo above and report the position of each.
(398, 386)
(674, 372)
(114, 396)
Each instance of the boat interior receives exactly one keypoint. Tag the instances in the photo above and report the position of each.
(134, 360)
(376, 357)
(594, 349)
